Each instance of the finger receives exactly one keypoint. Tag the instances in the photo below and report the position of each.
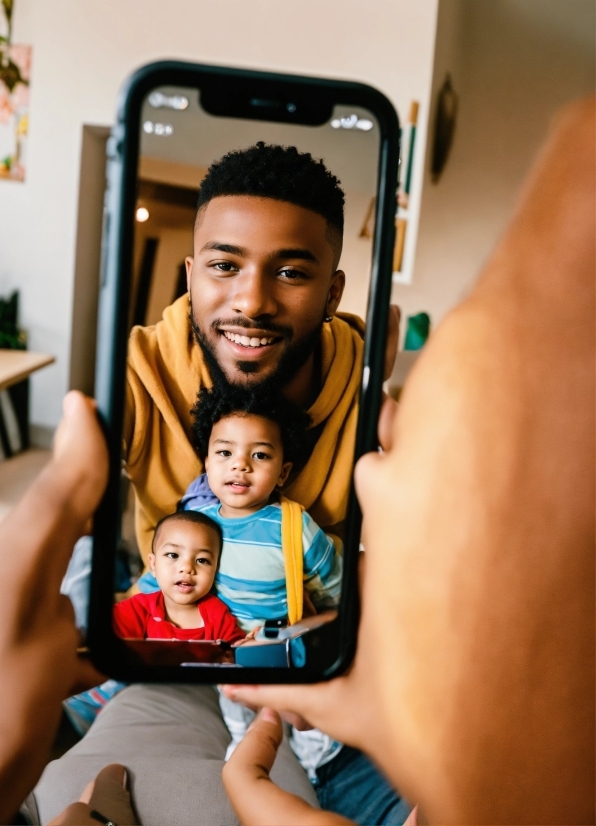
(109, 796)
(392, 339)
(257, 751)
(256, 800)
(77, 814)
(296, 720)
(389, 408)
(80, 454)
(366, 473)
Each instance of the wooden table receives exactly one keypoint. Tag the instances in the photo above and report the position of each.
(17, 365)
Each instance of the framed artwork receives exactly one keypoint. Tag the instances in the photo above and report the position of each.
(15, 69)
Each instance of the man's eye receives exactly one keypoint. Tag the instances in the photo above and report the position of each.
(291, 274)
(225, 266)
(260, 455)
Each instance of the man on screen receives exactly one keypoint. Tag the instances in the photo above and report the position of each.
(264, 290)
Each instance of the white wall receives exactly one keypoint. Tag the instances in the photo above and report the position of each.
(513, 63)
(81, 53)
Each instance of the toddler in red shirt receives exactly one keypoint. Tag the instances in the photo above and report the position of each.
(184, 560)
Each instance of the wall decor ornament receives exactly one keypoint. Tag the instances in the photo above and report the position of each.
(15, 68)
(445, 120)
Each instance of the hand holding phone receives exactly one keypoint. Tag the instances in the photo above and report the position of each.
(243, 394)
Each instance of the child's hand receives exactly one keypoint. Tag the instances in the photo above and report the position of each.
(256, 799)
(250, 636)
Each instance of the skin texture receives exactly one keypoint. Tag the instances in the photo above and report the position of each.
(183, 562)
(474, 676)
(245, 463)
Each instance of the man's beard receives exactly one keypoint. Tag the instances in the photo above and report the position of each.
(294, 357)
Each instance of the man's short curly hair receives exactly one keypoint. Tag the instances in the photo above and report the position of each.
(282, 173)
(220, 402)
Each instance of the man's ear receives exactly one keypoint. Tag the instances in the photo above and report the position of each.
(336, 290)
(189, 262)
(284, 473)
(151, 561)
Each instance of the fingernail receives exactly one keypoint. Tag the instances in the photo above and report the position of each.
(69, 403)
(268, 715)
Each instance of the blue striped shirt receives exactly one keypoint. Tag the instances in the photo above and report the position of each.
(251, 579)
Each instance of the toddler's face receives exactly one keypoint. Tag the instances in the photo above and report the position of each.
(245, 463)
(184, 560)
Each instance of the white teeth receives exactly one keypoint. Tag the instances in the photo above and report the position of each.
(245, 341)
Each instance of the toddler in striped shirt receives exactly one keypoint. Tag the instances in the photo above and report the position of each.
(249, 444)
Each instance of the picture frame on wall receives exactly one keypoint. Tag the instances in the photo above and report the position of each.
(15, 71)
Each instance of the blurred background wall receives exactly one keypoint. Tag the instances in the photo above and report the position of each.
(512, 62)
(82, 51)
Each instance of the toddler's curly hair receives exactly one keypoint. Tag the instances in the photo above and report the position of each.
(222, 401)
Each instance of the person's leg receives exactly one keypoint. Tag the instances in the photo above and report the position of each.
(350, 785)
(172, 740)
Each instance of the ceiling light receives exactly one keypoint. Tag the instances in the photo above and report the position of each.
(352, 122)
(142, 214)
(161, 129)
(158, 100)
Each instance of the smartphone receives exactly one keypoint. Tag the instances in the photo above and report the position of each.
(267, 156)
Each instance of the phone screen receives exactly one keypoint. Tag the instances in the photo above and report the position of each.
(250, 268)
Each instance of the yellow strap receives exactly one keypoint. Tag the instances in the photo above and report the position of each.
(291, 540)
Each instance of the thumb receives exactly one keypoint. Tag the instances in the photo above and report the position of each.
(108, 795)
(365, 473)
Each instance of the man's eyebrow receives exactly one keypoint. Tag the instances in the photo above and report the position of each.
(221, 247)
(297, 252)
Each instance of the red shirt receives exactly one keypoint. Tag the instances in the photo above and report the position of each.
(143, 617)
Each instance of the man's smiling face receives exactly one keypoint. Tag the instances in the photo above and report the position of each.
(262, 279)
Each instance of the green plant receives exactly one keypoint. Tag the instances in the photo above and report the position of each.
(8, 6)
(11, 336)
(10, 74)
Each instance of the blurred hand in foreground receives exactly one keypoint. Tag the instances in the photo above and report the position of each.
(39, 666)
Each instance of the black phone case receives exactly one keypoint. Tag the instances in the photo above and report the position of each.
(225, 90)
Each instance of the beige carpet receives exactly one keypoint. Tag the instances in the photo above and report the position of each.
(16, 475)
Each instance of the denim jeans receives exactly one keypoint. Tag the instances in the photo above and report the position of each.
(350, 785)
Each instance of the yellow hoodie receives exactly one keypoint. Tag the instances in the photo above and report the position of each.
(166, 370)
